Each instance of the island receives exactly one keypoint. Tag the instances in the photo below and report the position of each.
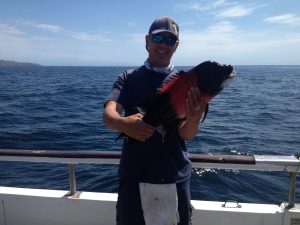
(9, 63)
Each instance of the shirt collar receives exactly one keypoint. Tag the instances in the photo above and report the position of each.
(164, 70)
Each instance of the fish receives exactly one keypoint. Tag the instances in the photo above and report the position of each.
(168, 106)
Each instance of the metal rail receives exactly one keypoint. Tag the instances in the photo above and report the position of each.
(289, 164)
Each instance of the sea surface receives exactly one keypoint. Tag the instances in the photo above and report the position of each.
(60, 108)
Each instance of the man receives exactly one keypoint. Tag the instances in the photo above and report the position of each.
(150, 165)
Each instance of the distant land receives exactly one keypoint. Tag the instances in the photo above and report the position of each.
(8, 63)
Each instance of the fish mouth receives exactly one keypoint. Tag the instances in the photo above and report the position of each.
(232, 74)
(229, 79)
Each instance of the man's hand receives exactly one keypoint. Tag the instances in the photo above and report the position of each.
(135, 127)
(195, 106)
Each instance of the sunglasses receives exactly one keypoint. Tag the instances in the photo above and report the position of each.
(169, 40)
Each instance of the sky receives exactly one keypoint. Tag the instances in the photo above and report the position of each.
(112, 32)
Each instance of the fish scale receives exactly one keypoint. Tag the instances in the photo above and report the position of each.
(179, 89)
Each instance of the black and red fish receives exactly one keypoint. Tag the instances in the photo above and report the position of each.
(168, 107)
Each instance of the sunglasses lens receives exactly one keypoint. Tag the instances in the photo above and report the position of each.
(170, 41)
(156, 38)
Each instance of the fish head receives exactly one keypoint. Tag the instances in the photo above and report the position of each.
(212, 77)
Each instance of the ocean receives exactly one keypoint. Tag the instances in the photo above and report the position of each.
(60, 108)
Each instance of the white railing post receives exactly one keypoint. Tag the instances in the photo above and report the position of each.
(72, 179)
(292, 190)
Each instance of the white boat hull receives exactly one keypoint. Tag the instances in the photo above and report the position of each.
(24, 206)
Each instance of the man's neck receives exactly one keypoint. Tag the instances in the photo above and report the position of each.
(166, 70)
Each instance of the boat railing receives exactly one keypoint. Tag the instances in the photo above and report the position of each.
(290, 164)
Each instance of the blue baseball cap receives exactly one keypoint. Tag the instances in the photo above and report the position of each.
(164, 24)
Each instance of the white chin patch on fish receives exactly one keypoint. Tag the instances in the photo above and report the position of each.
(227, 82)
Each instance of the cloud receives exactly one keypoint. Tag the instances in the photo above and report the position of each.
(213, 41)
(48, 27)
(41, 38)
(288, 18)
(131, 24)
(84, 36)
(56, 29)
(227, 43)
(200, 7)
(222, 28)
(220, 9)
(236, 11)
(11, 30)
(42, 26)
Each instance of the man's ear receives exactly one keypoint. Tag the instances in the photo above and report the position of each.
(147, 42)
(176, 45)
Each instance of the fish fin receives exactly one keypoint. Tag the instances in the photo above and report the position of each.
(159, 111)
(205, 113)
(141, 110)
(172, 126)
(169, 82)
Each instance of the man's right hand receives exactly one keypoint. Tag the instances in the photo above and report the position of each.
(134, 126)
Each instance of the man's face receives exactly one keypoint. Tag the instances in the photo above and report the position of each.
(161, 52)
